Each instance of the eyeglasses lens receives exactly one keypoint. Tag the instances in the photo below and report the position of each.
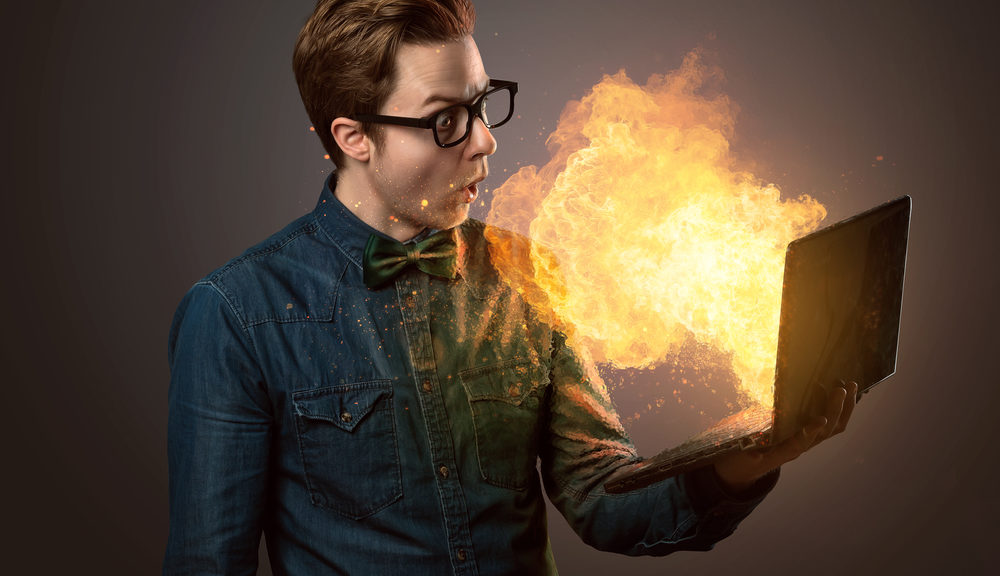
(451, 124)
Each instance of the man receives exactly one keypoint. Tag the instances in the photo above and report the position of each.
(365, 389)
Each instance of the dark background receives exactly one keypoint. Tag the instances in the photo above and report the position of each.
(145, 143)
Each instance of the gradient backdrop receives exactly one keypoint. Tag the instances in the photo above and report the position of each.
(146, 143)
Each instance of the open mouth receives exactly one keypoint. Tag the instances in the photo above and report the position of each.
(470, 191)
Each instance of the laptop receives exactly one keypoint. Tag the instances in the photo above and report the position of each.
(840, 306)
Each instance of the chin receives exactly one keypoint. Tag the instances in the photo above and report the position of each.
(457, 217)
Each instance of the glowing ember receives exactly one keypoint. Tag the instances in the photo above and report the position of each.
(645, 234)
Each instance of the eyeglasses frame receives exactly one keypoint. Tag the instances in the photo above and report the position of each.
(475, 111)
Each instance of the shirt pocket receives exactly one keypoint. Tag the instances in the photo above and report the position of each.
(347, 439)
(505, 400)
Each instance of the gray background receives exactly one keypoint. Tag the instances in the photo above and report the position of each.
(146, 143)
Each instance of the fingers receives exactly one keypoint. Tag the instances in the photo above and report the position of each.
(849, 403)
(834, 407)
(794, 447)
(839, 407)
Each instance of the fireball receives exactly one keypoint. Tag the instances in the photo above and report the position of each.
(645, 234)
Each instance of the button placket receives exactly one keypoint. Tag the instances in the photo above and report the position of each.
(416, 320)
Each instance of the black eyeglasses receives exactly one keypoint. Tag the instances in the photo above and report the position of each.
(452, 125)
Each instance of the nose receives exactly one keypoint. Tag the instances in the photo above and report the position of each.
(481, 140)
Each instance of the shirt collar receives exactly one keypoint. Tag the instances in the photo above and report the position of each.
(349, 232)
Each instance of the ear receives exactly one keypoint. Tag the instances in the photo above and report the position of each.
(351, 139)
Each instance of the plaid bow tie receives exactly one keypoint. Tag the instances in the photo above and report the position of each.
(385, 259)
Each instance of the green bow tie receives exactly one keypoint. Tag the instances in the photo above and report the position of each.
(385, 259)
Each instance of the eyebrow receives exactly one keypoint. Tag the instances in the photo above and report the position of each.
(450, 101)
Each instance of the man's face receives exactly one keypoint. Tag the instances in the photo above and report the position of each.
(418, 183)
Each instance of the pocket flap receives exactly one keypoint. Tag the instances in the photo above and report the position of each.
(345, 405)
(510, 382)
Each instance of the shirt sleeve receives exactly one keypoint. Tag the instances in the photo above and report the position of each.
(587, 444)
(217, 439)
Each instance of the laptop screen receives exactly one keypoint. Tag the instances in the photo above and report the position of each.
(840, 309)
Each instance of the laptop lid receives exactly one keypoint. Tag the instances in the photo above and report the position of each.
(840, 309)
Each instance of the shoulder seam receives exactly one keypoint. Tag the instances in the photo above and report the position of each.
(232, 308)
(307, 228)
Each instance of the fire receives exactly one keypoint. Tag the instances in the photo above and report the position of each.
(645, 233)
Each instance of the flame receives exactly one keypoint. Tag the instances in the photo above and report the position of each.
(644, 233)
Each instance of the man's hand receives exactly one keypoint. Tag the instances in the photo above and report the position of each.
(738, 470)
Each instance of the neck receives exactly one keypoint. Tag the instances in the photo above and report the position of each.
(358, 194)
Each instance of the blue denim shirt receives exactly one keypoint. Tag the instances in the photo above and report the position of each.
(404, 430)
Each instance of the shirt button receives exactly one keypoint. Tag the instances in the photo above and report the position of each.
(427, 386)
(460, 554)
(444, 471)
(346, 417)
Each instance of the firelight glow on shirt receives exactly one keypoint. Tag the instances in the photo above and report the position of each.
(408, 429)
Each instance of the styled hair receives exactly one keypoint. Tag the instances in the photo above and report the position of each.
(345, 57)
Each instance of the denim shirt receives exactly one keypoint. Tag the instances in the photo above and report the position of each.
(404, 430)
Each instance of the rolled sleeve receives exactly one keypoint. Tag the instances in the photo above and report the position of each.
(587, 444)
(719, 511)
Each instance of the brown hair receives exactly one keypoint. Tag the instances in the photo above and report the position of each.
(345, 56)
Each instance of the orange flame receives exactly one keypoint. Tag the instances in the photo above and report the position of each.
(645, 234)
